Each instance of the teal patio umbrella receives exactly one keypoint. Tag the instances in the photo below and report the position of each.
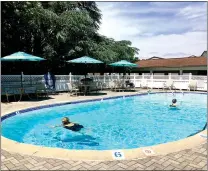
(85, 60)
(21, 56)
(124, 64)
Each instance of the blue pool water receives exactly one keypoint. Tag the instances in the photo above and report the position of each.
(131, 122)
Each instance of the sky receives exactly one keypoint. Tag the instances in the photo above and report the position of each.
(162, 29)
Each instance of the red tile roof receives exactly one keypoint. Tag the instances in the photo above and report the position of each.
(173, 62)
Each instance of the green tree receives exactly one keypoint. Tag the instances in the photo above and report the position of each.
(59, 31)
(109, 50)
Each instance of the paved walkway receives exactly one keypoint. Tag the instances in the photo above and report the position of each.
(192, 159)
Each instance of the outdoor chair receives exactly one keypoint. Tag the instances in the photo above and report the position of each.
(91, 86)
(73, 90)
(119, 85)
(101, 85)
(30, 90)
(94, 86)
(8, 92)
(168, 85)
(144, 84)
(192, 85)
(27, 90)
(112, 85)
(129, 86)
(41, 90)
(86, 85)
(150, 84)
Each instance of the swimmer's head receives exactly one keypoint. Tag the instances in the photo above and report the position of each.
(174, 101)
(65, 120)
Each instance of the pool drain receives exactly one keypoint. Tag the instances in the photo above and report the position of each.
(17, 112)
(148, 151)
(203, 136)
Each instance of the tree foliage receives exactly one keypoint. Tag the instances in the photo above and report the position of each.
(59, 31)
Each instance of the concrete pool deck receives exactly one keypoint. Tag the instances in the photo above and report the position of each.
(13, 147)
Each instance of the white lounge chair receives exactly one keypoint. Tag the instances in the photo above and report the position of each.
(144, 84)
(8, 92)
(41, 89)
(101, 85)
(168, 85)
(94, 86)
(150, 84)
(72, 89)
(192, 85)
(112, 85)
(119, 85)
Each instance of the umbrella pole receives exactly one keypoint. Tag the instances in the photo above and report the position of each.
(21, 81)
(124, 73)
(30, 80)
(85, 70)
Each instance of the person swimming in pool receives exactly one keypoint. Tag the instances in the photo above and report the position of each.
(70, 125)
(173, 103)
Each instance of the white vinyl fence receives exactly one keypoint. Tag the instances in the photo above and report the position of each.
(153, 81)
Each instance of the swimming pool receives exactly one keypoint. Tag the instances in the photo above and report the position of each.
(127, 123)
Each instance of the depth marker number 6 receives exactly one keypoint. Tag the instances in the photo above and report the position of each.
(118, 155)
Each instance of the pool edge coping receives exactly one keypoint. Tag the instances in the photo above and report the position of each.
(101, 155)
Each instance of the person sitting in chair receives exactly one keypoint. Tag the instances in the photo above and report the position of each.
(129, 84)
(70, 125)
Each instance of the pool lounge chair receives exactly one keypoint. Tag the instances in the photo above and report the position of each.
(168, 85)
(8, 92)
(119, 85)
(144, 84)
(28, 90)
(112, 85)
(41, 90)
(93, 86)
(129, 86)
(192, 85)
(101, 85)
(72, 89)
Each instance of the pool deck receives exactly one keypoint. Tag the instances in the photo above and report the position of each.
(186, 154)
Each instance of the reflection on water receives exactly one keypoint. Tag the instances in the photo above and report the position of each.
(79, 139)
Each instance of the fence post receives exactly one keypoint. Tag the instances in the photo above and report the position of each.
(134, 79)
(104, 78)
(22, 76)
(70, 77)
(151, 80)
(190, 76)
(30, 80)
(169, 74)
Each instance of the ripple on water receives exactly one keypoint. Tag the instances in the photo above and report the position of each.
(112, 124)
